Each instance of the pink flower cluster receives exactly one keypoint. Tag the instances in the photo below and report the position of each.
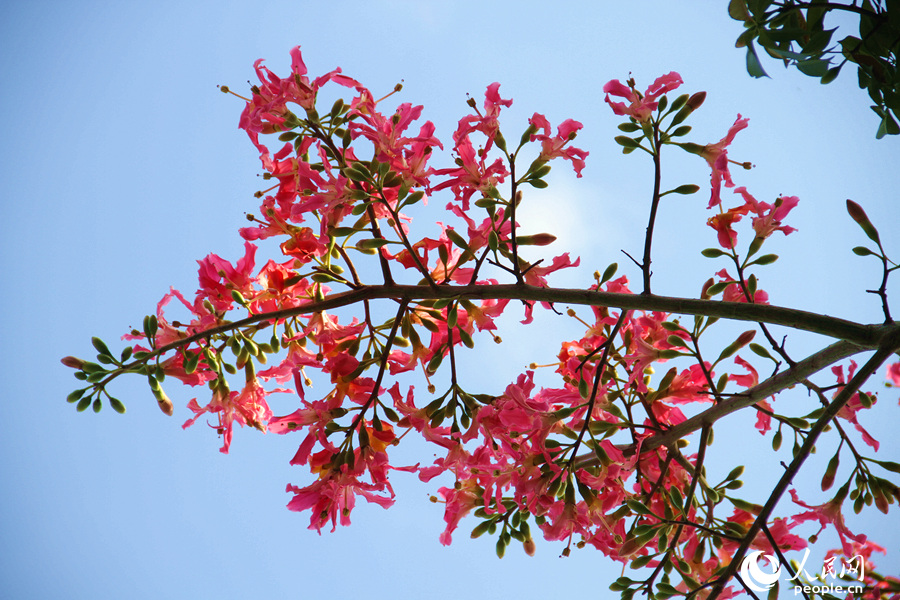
(319, 179)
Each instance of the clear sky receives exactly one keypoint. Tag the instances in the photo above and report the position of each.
(121, 164)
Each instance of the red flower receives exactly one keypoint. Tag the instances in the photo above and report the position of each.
(640, 105)
(722, 223)
(829, 513)
(554, 147)
(487, 123)
(717, 157)
(248, 407)
(854, 405)
(893, 373)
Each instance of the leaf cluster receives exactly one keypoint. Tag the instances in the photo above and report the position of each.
(795, 32)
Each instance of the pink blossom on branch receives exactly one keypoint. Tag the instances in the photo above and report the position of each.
(893, 373)
(854, 405)
(555, 147)
(828, 514)
(640, 106)
(716, 156)
(486, 123)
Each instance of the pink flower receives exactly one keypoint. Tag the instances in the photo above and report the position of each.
(487, 123)
(535, 277)
(769, 217)
(893, 373)
(779, 528)
(854, 405)
(734, 292)
(248, 407)
(218, 278)
(640, 105)
(717, 157)
(267, 110)
(763, 419)
(825, 514)
(333, 497)
(723, 222)
(458, 501)
(471, 173)
(554, 147)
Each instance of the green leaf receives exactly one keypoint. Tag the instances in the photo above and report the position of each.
(540, 172)
(100, 346)
(465, 337)
(150, 326)
(889, 465)
(830, 75)
(342, 231)
(760, 351)
(372, 243)
(813, 67)
(766, 259)
(627, 142)
(414, 197)
(830, 471)
(117, 405)
(679, 102)
(493, 240)
(737, 10)
(888, 126)
(754, 67)
(717, 288)
(781, 53)
(434, 363)
(712, 253)
(357, 173)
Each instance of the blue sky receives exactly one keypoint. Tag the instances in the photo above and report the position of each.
(122, 164)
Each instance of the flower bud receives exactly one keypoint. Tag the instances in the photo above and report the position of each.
(72, 362)
(695, 101)
(529, 546)
(165, 404)
(538, 239)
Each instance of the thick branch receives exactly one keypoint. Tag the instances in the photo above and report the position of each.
(864, 336)
(796, 374)
(770, 387)
(891, 344)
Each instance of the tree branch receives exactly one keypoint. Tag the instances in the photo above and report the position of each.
(891, 345)
(864, 336)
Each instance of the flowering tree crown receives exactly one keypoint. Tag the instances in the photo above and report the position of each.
(613, 456)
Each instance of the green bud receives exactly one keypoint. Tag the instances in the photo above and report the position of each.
(117, 405)
(609, 272)
(859, 215)
(100, 346)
